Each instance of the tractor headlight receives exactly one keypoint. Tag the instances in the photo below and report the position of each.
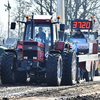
(34, 57)
(25, 57)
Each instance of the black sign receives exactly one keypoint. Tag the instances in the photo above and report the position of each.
(81, 24)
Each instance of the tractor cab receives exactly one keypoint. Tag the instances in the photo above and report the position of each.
(41, 33)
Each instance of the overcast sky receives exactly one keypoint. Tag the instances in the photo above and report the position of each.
(3, 13)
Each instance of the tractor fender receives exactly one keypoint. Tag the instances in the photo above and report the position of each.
(60, 45)
(55, 51)
(11, 50)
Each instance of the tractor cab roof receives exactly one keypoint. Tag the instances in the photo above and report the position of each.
(41, 18)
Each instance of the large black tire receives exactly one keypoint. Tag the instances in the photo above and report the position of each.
(64, 79)
(54, 70)
(69, 69)
(20, 76)
(8, 64)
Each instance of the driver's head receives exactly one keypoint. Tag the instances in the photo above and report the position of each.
(78, 31)
(40, 29)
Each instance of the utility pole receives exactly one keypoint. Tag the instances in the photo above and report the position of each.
(8, 7)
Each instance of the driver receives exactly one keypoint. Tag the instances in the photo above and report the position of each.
(41, 34)
(78, 34)
(37, 38)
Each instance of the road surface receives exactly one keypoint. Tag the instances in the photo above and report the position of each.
(82, 91)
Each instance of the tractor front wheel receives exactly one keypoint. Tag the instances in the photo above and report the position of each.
(70, 68)
(54, 70)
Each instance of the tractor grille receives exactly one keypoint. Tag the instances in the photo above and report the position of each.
(30, 43)
(30, 53)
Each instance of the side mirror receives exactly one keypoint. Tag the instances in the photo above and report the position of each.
(62, 27)
(13, 25)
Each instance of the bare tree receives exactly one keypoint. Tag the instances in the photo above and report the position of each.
(1, 27)
(1, 32)
(45, 6)
(22, 8)
(81, 9)
(74, 9)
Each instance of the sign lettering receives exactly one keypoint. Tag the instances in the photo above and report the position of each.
(81, 24)
(74, 24)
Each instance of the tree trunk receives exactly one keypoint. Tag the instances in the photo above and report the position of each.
(66, 14)
(41, 8)
(50, 7)
(84, 7)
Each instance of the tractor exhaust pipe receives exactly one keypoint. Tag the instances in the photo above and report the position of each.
(32, 24)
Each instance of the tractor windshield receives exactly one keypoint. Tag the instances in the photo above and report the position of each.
(42, 33)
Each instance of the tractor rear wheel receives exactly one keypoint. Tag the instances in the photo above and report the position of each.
(70, 68)
(8, 64)
(64, 79)
(54, 69)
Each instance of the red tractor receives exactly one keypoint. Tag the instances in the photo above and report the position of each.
(41, 56)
